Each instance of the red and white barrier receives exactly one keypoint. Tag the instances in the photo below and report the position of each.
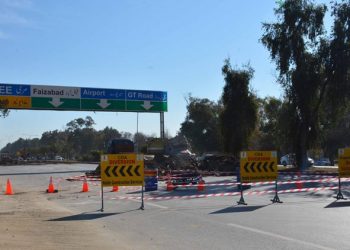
(157, 198)
(82, 177)
(318, 173)
(325, 180)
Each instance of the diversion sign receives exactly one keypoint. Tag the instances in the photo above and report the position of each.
(122, 170)
(258, 166)
(344, 162)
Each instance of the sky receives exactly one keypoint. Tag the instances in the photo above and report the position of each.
(177, 46)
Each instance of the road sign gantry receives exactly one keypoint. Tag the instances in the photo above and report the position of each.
(46, 97)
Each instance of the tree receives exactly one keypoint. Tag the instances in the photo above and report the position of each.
(78, 141)
(105, 135)
(336, 136)
(309, 64)
(338, 63)
(80, 123)
(239, 115)
(3, 111)
(267, 133)
(140, 141)
(201, 125)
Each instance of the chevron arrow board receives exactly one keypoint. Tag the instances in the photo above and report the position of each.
(258, 166)
(122, 170)
(344, 162)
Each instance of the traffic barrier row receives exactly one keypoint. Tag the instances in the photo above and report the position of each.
(295, 190)
(314, 175)
(51, 187)
(308, 172)
(323, 180)
(82, 178)
(85, 188)
(326, 180)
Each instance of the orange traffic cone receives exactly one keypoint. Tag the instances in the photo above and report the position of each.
(85, 186)
(115, 189)
(298, 184)
(169, 186)
(9, 190)
(200, 186)
(51, 188)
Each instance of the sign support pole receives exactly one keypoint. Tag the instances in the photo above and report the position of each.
(162, 133)
(276, 199)
(102, 207)
(241, 200)
(340, 194)
(142, 203)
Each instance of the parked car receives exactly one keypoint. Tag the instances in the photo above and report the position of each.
(289, 159)
(323, 162)
(59, 158)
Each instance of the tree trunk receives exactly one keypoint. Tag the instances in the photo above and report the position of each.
(301, 147)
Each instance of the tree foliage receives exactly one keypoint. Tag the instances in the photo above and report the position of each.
(3, 111)
(309, 64)
(239, 115)
(79, 140)
(201, 125)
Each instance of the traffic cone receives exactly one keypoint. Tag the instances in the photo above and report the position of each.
(200, 186)
(9, 190)
(51, 188)
(85, 186)
(115, 189)
(298, 184)
(169, 186)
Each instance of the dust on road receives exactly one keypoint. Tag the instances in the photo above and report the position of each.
(30, 221)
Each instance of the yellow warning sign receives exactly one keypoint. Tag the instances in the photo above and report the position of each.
(15, 102)
(122, 170)
(344, 162)
(258, 166)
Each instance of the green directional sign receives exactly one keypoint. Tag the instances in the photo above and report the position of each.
(102, 105)
(144, 106)
(55, 103)
(24, 96)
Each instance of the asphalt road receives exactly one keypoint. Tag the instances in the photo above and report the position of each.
(305, 220)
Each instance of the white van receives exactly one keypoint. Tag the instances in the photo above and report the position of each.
(59, 158)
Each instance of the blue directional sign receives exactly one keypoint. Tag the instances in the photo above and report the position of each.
(14, 90)
(97, 93)
(144, 95)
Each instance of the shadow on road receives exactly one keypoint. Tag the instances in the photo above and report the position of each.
(238, 209)
(90, 216)
(83, 217)
(338, 204)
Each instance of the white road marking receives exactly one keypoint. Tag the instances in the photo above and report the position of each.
(279, 236)
(155, 205)
(150, 204)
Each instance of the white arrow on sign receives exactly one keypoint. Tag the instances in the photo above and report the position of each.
(56, 102)
(103, 103)
(147, 105)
